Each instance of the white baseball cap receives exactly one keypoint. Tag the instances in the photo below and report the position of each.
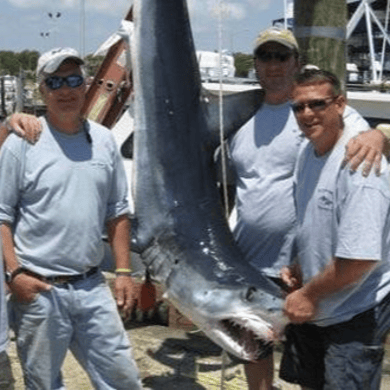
(50, 61)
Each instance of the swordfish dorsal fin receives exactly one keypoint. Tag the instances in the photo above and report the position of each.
(238, 108)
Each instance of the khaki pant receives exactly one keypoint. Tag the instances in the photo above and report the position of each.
(6, 378)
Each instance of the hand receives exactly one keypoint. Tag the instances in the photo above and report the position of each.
(25, 288)
(292, 277)
(299, 307)
(25, 126)
(367, 147)
(124, 292)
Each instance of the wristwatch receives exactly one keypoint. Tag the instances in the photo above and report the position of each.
(10, 275)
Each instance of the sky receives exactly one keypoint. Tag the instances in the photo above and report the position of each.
(43, 24)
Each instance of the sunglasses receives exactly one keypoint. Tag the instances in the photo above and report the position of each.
(56, 82)
(267, 56)
(314, 105)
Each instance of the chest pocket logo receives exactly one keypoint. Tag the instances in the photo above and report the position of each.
(325, 199)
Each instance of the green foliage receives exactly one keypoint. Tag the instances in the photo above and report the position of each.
(12, 63)
(92, 64)
(243, 63)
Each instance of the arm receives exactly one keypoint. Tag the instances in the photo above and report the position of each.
(301, 304)
(119, 238)
(384, 128)
(23, 286)
(25, 126)
(366, 147)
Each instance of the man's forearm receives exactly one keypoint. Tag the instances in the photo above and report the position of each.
(119, 238)
(10, 260)
(301, 305)
(338, 275)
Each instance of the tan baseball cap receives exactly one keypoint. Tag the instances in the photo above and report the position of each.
(275, 34)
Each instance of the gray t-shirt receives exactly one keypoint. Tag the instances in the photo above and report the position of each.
(58, 194)
(344, 215)
(264, 153)
(3, 309)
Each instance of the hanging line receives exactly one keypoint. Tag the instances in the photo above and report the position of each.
(224, 355)
(221, 130)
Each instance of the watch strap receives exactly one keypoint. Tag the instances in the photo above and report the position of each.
(12, 275)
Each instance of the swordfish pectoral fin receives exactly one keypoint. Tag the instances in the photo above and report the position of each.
(127, 148)
(238, 108)
(135, 243)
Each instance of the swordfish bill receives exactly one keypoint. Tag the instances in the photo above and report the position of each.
(179, 228)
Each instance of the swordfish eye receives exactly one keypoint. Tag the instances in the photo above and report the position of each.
(250, 293)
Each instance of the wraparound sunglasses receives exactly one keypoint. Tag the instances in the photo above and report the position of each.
(56, 82)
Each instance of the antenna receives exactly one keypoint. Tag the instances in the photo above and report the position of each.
(82, 28)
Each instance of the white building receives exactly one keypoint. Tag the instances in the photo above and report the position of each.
(210, 64)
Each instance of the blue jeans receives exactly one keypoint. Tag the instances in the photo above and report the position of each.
(83, 317)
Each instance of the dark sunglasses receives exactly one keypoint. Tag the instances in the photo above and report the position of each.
(267, 56)
(72, 81)
(314, 105)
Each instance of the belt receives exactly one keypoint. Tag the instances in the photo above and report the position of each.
(62, 279)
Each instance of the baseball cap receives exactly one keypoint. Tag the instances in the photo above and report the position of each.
(50, 61)
(275, 34)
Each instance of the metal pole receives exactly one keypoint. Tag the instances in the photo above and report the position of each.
(384, 40)
(370, 41)
(82, 28)
(285, 14)
(320, 27)
(19, 92)
(3, 109)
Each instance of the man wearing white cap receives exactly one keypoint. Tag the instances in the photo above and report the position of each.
(263, 154)
(56, 197)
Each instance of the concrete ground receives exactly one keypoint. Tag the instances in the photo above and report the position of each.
(177, 357)
(174, 359)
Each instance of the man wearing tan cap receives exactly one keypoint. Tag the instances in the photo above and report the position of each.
(56, 197)
(263, 154)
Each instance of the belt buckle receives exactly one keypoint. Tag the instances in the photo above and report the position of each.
(60, 280)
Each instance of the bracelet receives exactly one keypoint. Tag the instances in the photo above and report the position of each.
(123, 271)
(127, 274)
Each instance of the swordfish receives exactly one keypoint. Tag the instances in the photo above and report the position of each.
(179, 226)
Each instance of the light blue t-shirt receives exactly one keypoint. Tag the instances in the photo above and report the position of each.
(58, 194)
(3, 310)
(344, 215)
(264, 153)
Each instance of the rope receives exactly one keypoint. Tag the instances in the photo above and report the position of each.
(224, 355)
(221, 131)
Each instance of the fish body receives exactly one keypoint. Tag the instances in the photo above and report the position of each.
(180, 229)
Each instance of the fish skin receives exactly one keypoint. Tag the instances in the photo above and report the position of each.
(180, 229)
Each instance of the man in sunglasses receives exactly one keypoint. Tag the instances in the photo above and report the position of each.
(343, 246)
(56, 197)
(263, 155)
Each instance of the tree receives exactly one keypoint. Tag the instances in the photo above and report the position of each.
(12, 63)
(243, 63)
(92, 64)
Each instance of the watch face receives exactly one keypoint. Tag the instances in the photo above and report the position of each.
(8, 276)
